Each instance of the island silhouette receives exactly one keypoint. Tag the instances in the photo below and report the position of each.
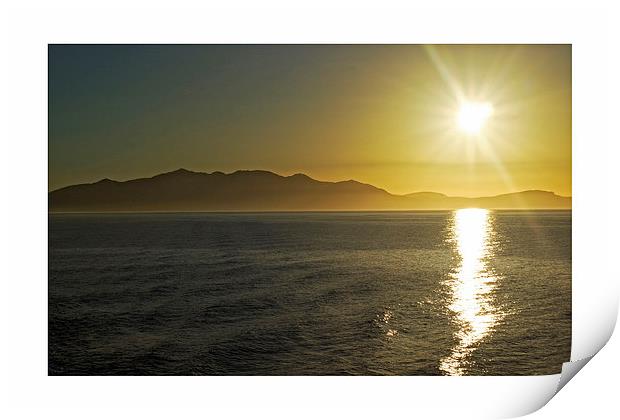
(260, 190)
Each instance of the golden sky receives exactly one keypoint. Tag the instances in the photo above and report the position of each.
(383, 115)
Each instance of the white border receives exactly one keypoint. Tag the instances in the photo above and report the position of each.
(24, 218)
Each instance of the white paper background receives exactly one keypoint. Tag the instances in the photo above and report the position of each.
(26, 32)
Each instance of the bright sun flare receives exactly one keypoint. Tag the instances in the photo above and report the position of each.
(473, 115)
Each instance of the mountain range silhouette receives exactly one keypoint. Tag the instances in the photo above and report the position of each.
(258, 190)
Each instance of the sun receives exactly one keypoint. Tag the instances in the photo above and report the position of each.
(472, 116)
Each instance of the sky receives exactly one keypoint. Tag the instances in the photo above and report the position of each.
(386, 115)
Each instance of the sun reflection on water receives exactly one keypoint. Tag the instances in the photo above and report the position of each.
(471, 286)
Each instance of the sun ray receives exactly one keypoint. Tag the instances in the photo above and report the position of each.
(444, 72)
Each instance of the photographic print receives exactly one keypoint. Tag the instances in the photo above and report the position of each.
(309, 209)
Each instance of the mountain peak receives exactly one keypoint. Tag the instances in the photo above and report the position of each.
(106, 181)
(182, 171)
(254, 172)
(299, 176)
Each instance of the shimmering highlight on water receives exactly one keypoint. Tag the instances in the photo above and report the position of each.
(472, 285)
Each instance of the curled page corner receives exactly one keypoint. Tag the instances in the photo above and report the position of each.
(595, 328)
(540, 393)
(594, 310)
(570, 369)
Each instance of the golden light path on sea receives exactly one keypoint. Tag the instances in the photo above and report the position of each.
(471, 286)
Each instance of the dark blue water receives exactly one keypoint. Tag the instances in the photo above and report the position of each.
(420, 293)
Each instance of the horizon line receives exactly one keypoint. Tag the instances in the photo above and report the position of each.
(550, 209)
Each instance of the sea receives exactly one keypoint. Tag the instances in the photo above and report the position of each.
(464, 292)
